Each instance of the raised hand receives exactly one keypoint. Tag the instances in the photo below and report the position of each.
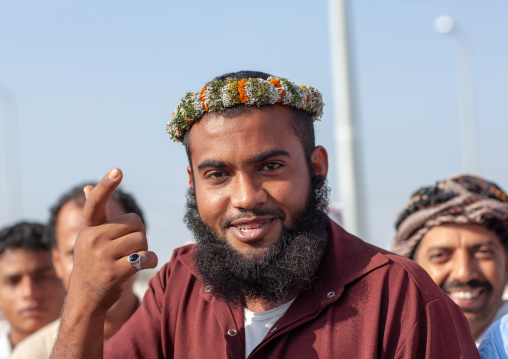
(100, 270)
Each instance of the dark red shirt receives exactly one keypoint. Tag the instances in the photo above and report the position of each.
(364, 303)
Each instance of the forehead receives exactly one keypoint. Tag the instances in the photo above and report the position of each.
(22, 261)
(255, 131)
(452, 235)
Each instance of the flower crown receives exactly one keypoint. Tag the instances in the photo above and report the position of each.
(218, 95)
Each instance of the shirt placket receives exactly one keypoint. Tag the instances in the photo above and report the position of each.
(303, 310)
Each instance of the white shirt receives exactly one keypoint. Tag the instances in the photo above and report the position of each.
(5, 343)
(257, 325)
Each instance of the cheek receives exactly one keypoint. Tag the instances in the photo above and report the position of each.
(211, 204)
(494, 272)
(439, 274)
(68, 266)
(8, 299)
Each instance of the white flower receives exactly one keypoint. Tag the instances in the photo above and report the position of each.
(303, 93)
(197, 104)
(273, 95)
(250, 94)
(288, 98)
(227, 101)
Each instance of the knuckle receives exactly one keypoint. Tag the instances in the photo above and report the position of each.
(140, 241)
(136, 220)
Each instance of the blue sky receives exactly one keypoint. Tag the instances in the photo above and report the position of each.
(95, 82)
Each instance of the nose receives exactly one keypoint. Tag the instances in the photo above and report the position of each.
(464, 267)
(30, 288)
(246, 193)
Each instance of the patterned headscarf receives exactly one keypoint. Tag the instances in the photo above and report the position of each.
(461, 199)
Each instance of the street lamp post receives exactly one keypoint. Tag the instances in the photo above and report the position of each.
(466, 95)
(346, 133)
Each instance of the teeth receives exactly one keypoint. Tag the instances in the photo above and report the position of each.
(465, 294)
(246, 227)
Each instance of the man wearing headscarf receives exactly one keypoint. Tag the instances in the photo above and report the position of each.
(457, 230)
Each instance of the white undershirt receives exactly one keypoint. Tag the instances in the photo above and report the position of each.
(257, 324)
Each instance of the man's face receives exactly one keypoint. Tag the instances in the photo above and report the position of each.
(66, 232)
(250, 176)
(31, 295)
(469, 262)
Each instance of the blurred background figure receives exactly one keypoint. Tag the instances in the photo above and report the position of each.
(62, 231)
(457, 230)
(31, 295)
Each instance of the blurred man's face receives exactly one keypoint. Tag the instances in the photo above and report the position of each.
(31, 295)
(66, 232)
(469, 263)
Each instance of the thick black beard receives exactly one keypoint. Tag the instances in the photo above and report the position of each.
(289, 264)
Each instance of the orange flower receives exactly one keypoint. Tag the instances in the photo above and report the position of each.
(241, 91)
(305, 88)
(203, 98)
(276, 83)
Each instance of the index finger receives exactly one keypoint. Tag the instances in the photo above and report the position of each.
(95, 211)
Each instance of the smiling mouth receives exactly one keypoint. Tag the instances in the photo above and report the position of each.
(466, 294)
(248, 227)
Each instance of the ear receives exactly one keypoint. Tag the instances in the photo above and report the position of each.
(189, 172)
(55, 254)
(319, 159)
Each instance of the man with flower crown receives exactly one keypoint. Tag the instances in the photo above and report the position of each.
(270, 276)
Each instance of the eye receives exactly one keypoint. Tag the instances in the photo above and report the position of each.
(439, 257)
(271, 166)
(12, 281)
(484, 253)
(216, 176)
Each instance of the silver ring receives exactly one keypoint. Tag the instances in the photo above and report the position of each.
(135, 260)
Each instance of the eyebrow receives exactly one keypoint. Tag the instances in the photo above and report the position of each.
(488, 242)
(258, 158)
(36, 271)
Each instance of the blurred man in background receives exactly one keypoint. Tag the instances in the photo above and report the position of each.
(61, 232)
(457, 230)
(31, 295)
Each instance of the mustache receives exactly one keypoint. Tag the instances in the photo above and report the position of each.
(473, 283)
(248, 214)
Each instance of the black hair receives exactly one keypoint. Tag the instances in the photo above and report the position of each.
(77, 195)
(23, 235)
(302, 124)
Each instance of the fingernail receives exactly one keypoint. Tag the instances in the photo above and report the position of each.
(113, 174)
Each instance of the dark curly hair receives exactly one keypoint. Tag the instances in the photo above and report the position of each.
(77, 195)
(23, 235)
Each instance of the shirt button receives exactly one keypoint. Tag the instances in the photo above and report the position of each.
(208, 288)
(330, 294)
(232, 332)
